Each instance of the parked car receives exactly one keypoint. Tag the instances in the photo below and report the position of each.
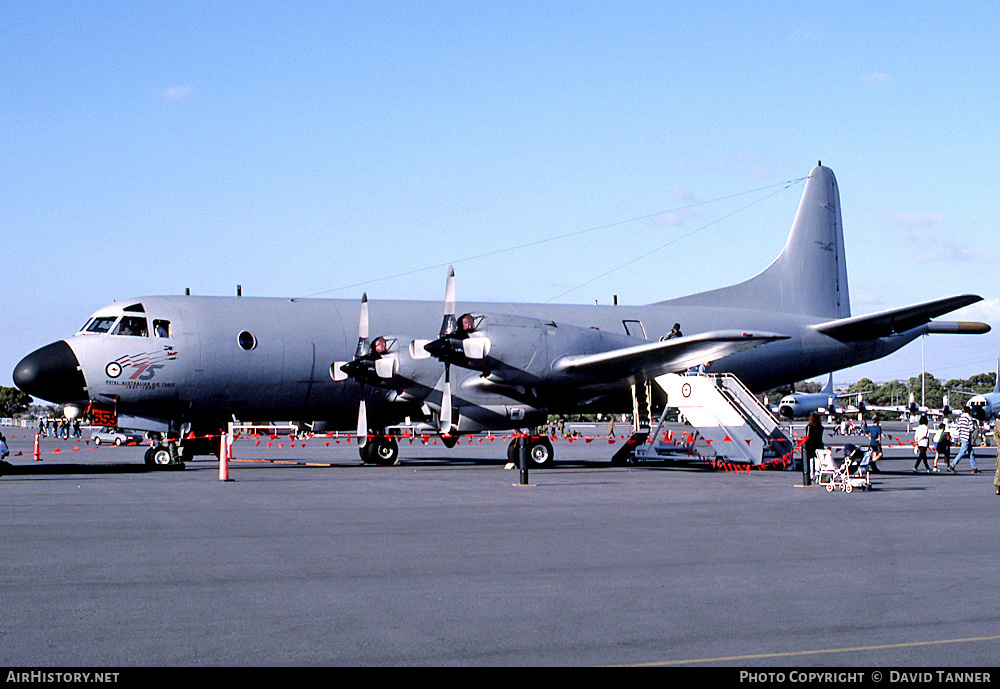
(107, 434)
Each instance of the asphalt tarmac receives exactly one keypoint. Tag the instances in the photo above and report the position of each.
(309, 558)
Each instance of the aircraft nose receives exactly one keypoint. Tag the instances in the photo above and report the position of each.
(52, 373)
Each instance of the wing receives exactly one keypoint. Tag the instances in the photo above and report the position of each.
(885, 323)
(646, 361)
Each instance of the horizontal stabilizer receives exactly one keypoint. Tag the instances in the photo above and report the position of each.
(893, 321)
(649, 360)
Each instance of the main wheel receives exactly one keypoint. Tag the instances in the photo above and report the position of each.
(540, 452)
(380, 451)
(512, 452)
(385, 451)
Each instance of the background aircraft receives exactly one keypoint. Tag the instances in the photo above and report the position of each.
(799, 405)
(183, 366)
(909, 409)
(986, 407)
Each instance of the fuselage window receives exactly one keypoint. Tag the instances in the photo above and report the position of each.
(161, 328)
(132, 326)
(246, 340)
(101, 324)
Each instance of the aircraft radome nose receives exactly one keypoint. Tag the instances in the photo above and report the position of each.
(52, 373)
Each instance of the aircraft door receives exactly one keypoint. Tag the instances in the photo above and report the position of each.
(301, 372)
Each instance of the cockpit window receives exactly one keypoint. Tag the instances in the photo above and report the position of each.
(161, 328)
(101, 324)
(133, 326)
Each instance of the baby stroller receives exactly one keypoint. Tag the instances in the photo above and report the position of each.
(854, 472)
(824, 469)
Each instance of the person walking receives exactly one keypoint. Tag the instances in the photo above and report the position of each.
(964, 429)
(874, 433)
(814, 438)
(942, 445)
(996, 441)
(921, 436)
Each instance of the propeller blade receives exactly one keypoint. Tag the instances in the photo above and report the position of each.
(449, 292)
(446, 402)
(363, 345)
(363, 322)
(362, 422)
(448, 324)
(476, 347)
(386, 368)
(337, 371)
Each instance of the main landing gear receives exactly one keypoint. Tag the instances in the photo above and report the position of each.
(380, 450)
(383, 450)
(540, 452)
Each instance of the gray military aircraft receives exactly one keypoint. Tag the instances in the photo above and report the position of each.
(985, 407)
(799, 405)
(185, 365)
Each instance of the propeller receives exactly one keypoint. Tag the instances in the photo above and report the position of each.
(368, 367)
(454, 346)
(442, 348)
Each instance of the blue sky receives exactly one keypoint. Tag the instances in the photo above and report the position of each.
(321, 148)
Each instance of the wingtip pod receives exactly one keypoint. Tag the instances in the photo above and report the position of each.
(958, 328)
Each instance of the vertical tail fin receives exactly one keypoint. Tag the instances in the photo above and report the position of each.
(809, 277)
(829, 386)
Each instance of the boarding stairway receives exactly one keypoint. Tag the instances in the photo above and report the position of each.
(729, 418)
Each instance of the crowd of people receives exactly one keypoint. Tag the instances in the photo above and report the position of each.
(966, 433)
(60, 428)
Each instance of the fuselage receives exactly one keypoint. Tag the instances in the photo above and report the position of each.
(190, 358)
(984, 407)
(801, 404)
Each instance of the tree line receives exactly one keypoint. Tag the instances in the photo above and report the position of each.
(13, 402)
(897, 392)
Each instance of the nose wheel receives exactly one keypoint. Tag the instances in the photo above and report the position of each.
(160, 456)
